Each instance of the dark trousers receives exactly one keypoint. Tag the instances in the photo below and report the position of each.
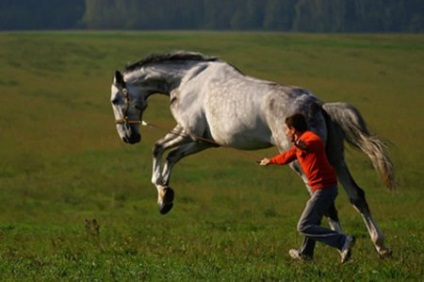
(320, 203)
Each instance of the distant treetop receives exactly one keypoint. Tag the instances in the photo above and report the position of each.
(260, 15)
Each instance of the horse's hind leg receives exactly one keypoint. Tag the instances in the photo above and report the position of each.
(357, 198)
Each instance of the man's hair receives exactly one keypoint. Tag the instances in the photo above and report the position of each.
(298, 121)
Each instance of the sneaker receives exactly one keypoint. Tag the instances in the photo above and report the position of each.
(346, 251)
(295, 254)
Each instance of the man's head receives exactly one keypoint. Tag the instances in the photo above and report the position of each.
(295, 125)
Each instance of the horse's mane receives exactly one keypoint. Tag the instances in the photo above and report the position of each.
(166, 57)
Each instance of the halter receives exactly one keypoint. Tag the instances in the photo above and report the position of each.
(127, 99)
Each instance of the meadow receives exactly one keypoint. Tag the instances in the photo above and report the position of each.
(76, 203)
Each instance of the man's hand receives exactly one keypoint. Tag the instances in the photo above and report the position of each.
(264, 162)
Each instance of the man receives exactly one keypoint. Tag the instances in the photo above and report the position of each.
(309, 151)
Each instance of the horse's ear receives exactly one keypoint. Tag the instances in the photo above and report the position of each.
(119, 78)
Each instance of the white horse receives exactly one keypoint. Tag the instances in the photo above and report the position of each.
(214, 104)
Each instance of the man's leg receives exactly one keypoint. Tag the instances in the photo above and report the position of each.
(307, 248)
(309, 223)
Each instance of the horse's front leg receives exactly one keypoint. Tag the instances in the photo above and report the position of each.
(165, 193)
(179, 153)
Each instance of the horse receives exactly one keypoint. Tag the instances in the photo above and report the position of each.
(215, 104)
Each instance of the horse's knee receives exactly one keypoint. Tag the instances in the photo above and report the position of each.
(157, 149)
(174, 156)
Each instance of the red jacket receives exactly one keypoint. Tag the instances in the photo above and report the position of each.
(313, 161)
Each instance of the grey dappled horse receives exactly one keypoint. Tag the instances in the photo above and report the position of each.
(215, 104)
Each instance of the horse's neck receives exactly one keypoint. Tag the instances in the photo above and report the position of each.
(164, 77)
(175, 74)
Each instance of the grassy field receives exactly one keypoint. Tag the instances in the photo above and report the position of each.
(62, 163)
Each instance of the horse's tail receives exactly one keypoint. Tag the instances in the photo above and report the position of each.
(348, 121)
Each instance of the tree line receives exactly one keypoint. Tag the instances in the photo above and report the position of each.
(260, 15)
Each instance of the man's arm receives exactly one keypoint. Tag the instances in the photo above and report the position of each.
(264, 162)
(281, 159)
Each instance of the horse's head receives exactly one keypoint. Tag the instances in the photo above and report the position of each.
(128, 106)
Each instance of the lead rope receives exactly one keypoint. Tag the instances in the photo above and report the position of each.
(210, 141)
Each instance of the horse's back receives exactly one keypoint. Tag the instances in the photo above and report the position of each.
(249, 113)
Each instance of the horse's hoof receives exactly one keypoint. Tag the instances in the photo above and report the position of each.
(165, 208)
(167, 197)
(385, 253)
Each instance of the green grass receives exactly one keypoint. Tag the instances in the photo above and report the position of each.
(62, 162)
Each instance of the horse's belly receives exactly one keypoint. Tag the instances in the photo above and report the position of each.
(242, 138)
